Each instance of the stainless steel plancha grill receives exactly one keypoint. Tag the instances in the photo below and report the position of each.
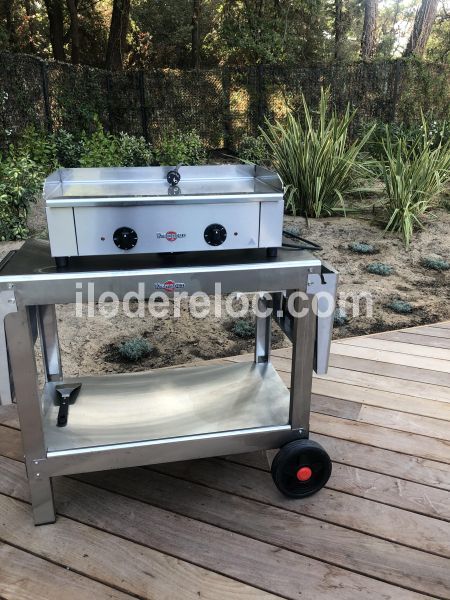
(164, 223)
(93, 212)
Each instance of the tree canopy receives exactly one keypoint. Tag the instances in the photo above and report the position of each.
(120, 34)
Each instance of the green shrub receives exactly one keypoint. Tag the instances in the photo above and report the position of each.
(244, 328)
(315, 160)
(39, 147)
(253, 149)
(134, 151)
(68, 149)
(401, 307)
(414, 176)
(436, 132)
(20, 181)
(340, 317)
(176, 147)
(362, 248)
(378, 268)
(436, 264)
(100, 149)
(135, 349)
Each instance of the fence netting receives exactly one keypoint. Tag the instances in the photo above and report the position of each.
(221, 104)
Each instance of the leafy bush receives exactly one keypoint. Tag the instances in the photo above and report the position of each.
(378, 268)
(436, 264)
(134, 151)
(253, 149)
(20, 180)
(244, 328)
(436, 132)
(175, 148)
(39, 147)
(135, 349)
(414, 176)
(362, 248)
(340, 317)
(316, 162)
(68, 149)
(100, 149)
(401, 307)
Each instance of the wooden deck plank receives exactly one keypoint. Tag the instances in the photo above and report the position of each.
(425, 426)
(397, 489)
(395, 358)
(24, 576)
(385, 369)
(414, 469)
(393, 346)
(433, 331)
(260, 564)
(405, 336)
(373, 485)
(124, 565)
(346, 509)
(219, 528)
(375, 381)
(382, 437)
(389, 384)
(336, 545)
(383, 399)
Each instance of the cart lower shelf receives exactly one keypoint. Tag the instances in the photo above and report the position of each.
(167, 403)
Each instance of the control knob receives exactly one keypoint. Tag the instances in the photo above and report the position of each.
(125, 238)
(215, 234)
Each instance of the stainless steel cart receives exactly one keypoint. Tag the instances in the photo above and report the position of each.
(166, 414)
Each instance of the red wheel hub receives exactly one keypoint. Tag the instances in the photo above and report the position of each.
(304, 474)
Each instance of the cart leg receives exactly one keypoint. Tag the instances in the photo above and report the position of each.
(263, 331)
(43, 506)
(48, 332)
(304, 334)
(23, 366)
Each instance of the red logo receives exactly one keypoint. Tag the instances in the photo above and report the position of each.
(169, 286)
(171, 236)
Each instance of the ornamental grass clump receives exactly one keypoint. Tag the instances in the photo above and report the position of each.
(315, 159)
(436, 264)
(378, 268)
(362, 248)
(135, 349)
(243, 328)
(401, 307)
(414, 176)
(340, 317)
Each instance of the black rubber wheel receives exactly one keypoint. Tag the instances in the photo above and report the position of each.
(301, 468)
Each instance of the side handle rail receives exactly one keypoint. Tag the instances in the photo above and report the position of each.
(323, 286)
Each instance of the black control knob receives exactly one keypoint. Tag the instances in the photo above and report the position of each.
(215, 234)
(173, 177)
(125, 238)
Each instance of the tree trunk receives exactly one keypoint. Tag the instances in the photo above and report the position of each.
(195, 55)
(118, 34)
(423, 23)
(56, 24)
(338, 28)
(72, 5)
(369, 35)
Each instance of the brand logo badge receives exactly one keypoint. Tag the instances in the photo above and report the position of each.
(170, 285)
(170, 236)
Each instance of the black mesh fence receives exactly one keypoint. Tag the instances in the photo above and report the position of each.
(221, 104)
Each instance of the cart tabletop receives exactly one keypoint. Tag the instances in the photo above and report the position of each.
(33, 261)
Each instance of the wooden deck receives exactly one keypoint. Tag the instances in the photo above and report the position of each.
(217, 529)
